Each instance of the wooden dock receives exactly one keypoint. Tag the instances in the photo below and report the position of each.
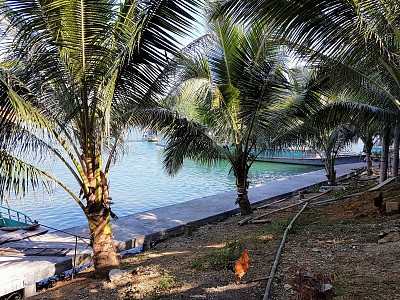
(14, 236)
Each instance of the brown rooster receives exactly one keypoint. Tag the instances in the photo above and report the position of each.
(240, 266)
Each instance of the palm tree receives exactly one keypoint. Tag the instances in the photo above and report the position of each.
(240, 98)
(74, 77)
(361, 35)
(329, 143)
(317, 129)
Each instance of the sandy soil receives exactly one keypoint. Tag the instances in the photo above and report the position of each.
(335, 244)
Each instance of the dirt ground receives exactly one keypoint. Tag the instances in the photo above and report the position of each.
(335, 244)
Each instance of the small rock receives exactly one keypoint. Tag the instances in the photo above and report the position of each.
(148, 273)
(117, 274)
(198, 296)
(287, 287)
(316, 250)
(388, 230)
(326, 287)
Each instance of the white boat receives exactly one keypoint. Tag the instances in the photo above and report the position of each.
(150, 136)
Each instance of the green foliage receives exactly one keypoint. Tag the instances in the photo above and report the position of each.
(236, 83)
(217, 259)
(340, 291)
(73, 79)
(279, 225)
(313, 188)
(339, 193)
(166, 282)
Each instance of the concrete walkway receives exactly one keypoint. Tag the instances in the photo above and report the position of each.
(142, 229)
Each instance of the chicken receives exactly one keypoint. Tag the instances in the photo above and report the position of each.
(240, 266)
(378, 201)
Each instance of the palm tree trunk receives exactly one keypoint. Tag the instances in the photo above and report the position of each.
(368, 144)
(243, 201)
(241, 170)
(98, 214)
(330, 170)
(384, 155)
(396, 144)
(104, 253)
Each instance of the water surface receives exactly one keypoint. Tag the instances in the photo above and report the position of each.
(138, 183)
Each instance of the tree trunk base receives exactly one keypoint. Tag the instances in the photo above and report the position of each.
(244, 204)
(105, 255)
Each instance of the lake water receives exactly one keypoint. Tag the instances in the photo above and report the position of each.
(138, 183)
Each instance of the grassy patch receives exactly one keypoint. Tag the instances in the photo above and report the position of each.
(340, 193)
(218, 259)
(339, 291)
(166, 282)
(277, 226)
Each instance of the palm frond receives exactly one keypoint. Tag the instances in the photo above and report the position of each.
(189, 140)
(17, 176)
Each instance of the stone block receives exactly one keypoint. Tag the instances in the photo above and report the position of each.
(29, 290)
(117, 274)
(11, 286)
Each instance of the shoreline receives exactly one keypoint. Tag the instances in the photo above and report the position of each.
(144, 229)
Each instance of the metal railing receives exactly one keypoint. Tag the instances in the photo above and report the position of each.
(15, 215)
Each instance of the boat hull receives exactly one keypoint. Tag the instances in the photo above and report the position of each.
(15, 228)
(12, 220)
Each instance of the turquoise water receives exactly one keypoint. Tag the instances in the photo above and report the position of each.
(138, 183)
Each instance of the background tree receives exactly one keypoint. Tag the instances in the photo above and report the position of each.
(315, 129)
(363, 36)
(232, 87)
(74, 77)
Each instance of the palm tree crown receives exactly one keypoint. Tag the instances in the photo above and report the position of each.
(73, 76)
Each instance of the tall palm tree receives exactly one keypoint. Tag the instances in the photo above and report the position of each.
(74, 76)
(362, 35)
(240, 94)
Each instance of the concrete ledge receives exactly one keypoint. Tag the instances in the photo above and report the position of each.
(11, 286)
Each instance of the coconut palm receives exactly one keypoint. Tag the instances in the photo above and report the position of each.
(239, 90)
(74, 76)
(311, 129)
(365, 103)
(329, 144)
(362, 35)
